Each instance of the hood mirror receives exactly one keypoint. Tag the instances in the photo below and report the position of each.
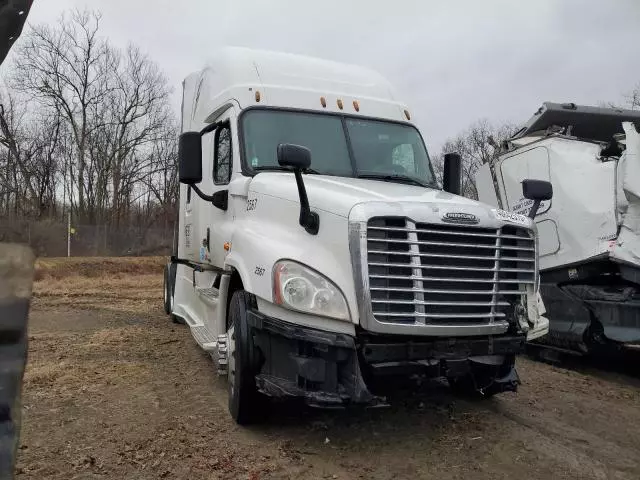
(536, 190)
(452, 175)
(294, 156)
(299, 158)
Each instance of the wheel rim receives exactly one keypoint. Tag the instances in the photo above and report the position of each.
(231, 359)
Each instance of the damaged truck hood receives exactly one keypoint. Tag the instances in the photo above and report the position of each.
(338, 195)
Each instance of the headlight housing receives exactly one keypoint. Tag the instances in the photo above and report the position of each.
(299, 288)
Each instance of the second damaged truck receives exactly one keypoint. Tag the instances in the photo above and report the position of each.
(316, 251)
(589, 234)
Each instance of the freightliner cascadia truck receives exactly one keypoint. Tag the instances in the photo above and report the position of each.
(316, 252)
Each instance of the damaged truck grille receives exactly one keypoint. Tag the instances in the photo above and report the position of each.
(437, 274)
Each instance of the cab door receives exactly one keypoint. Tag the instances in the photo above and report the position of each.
(533, 164)
(186, 224)
(214, 224)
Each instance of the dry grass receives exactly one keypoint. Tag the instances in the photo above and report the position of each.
(139, 294)
(115, 337)
(45, 374)
(114, 390)
(113, 286)
(96, 267)
(131, 284)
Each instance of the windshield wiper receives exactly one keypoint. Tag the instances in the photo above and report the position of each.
(280, 168)
(389, 177)
(271, 167)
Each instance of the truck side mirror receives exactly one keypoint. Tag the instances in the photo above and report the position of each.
(452, 175)
(294, 156)
(299, 158)
(190, 158)
(536, 190)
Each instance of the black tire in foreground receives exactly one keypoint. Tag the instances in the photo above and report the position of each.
(246, 404)
(16, 277)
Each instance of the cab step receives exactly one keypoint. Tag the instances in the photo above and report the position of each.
(207, 340)
(208, 295)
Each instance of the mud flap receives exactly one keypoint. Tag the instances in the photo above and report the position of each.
(506, 380)
(508, 383)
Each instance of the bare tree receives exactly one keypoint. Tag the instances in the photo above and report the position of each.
(44, 139)
(138, 114)
(630, 100)
(67, 68)
(9, 138)
(29, 161)
(113, 104)
(476, 145)
(163, 184)
(633, 98)
(87, 126)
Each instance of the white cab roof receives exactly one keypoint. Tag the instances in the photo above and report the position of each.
(285, 80)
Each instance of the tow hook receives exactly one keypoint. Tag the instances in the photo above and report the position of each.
(223, 354)
(521, 316)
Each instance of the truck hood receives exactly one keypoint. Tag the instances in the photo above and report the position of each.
(338, 195)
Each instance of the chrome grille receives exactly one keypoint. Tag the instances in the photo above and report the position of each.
(443, 274)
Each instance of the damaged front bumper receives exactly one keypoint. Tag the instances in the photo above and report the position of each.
(333, 370)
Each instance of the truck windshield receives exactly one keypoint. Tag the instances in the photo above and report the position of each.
(385, 150)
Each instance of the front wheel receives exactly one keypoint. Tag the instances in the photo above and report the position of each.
(246, 404)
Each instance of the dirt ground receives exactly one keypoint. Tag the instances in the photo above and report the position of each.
(114, 390)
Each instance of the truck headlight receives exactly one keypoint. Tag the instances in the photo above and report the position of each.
(299, 288)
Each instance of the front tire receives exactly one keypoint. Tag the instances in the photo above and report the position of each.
(245, 402)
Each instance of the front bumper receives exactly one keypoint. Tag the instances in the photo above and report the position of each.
(332, 370)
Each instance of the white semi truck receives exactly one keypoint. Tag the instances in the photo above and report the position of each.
(589, 234)
(316, 252)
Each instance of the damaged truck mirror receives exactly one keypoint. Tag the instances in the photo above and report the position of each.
(299, 158)
(536, 190)
(190, 158)
(451, 177)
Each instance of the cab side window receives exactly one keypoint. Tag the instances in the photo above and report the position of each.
(223, 160)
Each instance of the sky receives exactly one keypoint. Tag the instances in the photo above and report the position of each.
(453, 62)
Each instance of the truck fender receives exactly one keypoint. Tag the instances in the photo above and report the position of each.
(235, 261)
